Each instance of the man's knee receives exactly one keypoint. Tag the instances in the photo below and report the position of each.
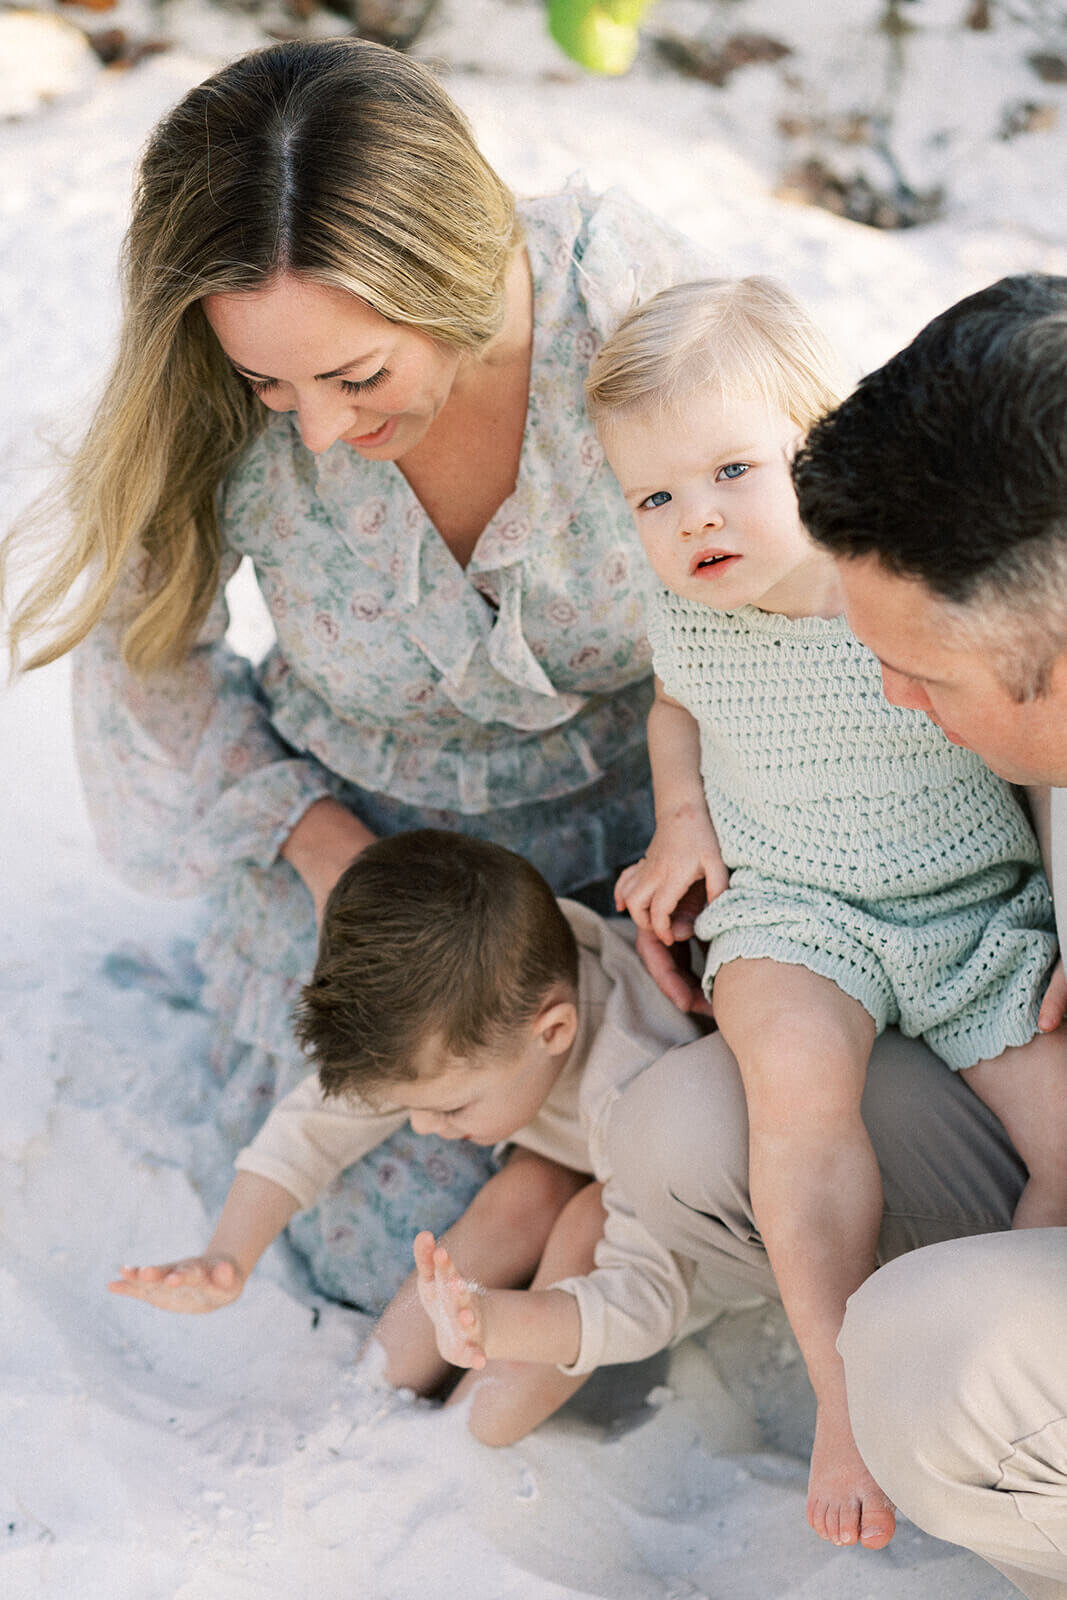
(952, 1357)
(679, 1133)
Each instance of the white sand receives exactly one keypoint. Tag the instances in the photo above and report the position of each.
(239, 1455)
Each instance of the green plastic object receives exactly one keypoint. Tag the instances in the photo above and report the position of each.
(601, 35)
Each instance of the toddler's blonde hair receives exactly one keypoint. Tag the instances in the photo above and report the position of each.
(748, 337)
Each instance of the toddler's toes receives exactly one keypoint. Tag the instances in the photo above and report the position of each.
(846, 1523)
(878, 1524)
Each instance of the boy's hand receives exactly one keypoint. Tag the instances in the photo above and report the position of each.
(684, 853)
(200, 1283)
(451, 1305)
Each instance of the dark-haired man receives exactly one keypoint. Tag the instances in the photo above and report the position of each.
(941, 487)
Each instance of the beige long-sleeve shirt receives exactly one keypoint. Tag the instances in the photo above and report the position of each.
(639, 1297)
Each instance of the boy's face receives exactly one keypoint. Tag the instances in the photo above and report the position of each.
(490, 1098)
(709, 487)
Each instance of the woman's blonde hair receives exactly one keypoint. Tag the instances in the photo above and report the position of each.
(747, 337)
(340, 161)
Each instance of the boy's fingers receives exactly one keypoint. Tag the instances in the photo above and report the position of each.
(424, 1243)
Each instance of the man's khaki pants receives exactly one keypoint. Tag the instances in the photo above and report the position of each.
(679, 1151)
(956, 1360)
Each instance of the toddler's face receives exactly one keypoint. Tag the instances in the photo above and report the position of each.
(709, 488)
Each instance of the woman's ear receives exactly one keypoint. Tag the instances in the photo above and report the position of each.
(556, 1025)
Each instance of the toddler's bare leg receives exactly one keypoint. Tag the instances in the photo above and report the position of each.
(1026, 1086)
(510, 1398)
(802, 1046)
(500, 1239)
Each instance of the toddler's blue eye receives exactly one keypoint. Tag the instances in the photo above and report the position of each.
(654, 501)
(736, 469)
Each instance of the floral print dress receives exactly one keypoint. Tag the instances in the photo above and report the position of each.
(506, 699)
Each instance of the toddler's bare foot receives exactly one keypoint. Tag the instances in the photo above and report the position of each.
(201, 1283)
(845, 1505)
(449, 1302)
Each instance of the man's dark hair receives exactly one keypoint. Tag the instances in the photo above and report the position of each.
(949, 463)
(429, 935)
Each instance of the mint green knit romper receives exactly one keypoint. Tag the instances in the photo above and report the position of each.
(860, 842)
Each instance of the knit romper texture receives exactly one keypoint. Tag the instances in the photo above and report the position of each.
(860, 842)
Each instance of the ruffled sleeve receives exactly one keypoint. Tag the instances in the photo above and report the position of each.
(183, 774)
(628, 255)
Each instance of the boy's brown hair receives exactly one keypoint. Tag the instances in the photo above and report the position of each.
(429, 935)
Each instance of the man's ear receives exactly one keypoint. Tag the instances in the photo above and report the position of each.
(1057, 682)
(556, 1025)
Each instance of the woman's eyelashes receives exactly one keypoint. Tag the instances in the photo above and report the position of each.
(263, 386)
(360, 386)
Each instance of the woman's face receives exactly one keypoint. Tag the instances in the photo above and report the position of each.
(346, 371)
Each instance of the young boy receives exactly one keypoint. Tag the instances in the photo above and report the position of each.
(859, 868)
(452, 990)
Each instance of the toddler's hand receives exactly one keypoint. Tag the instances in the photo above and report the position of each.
(683, 855)
(1054, 1005)
(199, 1283)
(451, 1305)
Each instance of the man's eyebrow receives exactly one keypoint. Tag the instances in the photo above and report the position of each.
(916, 677)
(338, 372)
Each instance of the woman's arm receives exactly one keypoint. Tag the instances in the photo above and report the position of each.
(324, 842)
(183, 773)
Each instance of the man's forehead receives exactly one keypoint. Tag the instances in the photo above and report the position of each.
(890, 605)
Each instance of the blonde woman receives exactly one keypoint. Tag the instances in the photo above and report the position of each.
(347, 355)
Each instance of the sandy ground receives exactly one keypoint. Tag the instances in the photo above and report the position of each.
(241, 1455)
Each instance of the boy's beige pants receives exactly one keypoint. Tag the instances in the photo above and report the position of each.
(956, 1356)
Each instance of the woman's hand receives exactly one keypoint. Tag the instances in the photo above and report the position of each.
(683, 856)
(326, 840)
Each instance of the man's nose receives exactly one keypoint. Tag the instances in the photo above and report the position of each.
(901, 690)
